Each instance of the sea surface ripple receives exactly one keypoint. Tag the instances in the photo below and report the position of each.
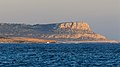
(60, 55)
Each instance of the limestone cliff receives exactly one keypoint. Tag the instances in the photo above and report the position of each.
(75, 30)
(74, 25)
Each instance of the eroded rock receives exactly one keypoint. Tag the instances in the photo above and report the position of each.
(75, 30)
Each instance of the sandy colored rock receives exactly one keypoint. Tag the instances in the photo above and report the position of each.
(74, 25)
(75, 30)
(23, 39)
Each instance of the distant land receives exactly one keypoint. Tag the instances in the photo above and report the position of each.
(24, 40)
(69, 32)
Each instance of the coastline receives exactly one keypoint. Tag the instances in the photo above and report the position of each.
(35, 40)
(90, 42)
(24, 40)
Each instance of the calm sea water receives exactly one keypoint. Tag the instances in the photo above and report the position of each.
(60, 55)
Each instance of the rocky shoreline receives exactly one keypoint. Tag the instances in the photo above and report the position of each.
(24, 40)
(90, 42)
(36, 40)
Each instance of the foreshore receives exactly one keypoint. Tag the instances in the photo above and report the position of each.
(90, 42)
(24, 40)
(36, 40)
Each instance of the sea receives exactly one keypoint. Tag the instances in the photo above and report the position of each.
(60, 55)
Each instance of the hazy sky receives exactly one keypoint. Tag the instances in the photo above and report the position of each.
(103, 16)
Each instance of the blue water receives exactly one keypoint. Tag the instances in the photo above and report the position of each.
(60, 55)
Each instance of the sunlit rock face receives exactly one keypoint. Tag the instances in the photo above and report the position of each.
(75, 30)
(74, 25)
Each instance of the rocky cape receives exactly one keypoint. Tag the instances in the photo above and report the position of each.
(59, 32)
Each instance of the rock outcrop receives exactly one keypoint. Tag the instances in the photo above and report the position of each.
(73, 28)
(76, 31)
(74, 25)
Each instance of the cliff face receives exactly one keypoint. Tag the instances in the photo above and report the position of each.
(74, 25)
(75, 30)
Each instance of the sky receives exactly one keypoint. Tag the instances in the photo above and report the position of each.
(103, 16)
